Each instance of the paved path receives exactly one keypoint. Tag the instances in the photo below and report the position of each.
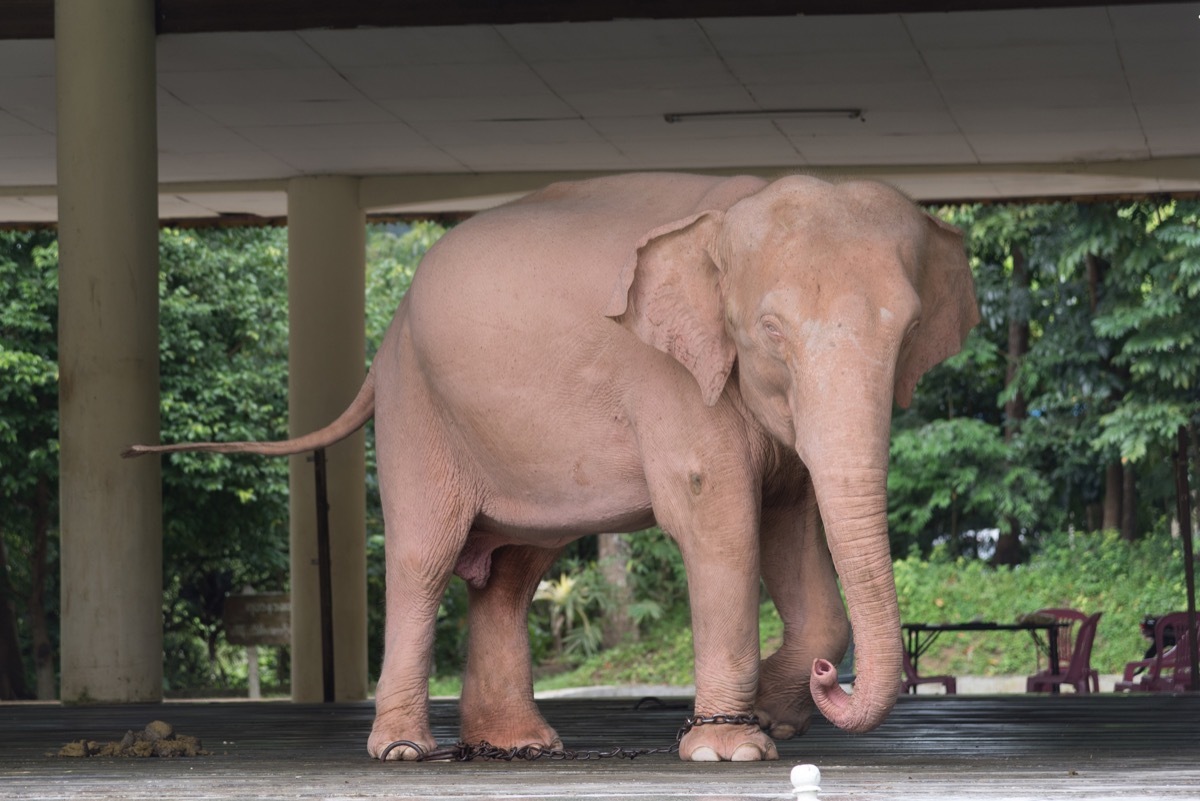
(982, 747)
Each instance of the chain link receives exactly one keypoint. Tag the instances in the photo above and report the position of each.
(465, 752)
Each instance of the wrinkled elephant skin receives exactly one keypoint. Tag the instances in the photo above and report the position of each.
(717, 355)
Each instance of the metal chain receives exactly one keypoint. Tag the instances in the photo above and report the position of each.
(465, 752)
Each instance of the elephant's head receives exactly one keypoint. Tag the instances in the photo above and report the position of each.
(832, 300)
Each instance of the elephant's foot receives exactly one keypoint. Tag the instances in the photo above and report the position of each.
(727, 742)
(394, 735)
(515, 727)
(784, 705)
(784, 716)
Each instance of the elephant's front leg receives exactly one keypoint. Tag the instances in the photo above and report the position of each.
(712, 512)
(497, 698)
(800, 578)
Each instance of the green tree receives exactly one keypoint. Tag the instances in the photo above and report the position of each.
(1149, 320)
(223, 370)
(28, 438)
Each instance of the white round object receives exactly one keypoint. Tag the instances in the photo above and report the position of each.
(806, 777)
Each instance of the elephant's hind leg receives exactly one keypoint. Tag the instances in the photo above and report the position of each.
(497, 699)
(428, 515)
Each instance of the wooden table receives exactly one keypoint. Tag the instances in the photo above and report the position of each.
(919, 636)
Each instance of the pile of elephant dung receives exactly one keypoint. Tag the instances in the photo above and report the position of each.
(156, 740)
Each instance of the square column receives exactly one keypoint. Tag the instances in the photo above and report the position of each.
(111, 509)
(326, 367)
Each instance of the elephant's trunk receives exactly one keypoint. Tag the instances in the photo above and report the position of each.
(853, 506)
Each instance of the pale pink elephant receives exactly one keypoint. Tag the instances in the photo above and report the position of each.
(715, 355)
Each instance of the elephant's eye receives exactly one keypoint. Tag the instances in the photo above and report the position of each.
(771, 326)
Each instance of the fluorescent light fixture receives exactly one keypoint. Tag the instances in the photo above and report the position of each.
(766, 114)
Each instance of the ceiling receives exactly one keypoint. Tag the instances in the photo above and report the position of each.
(1008, 102)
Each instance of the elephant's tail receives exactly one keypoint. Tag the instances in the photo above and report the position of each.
(360, 410)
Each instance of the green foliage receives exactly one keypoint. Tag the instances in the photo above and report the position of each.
(571, 603)
(223, 373)
(950, 477)
(29, 437)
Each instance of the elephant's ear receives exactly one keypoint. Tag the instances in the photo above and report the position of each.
(669, 294)
(948, 309)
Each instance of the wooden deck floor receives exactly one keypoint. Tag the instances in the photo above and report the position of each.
(977, 747)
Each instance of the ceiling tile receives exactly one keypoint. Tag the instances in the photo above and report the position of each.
(820, 68)
(26, 58)
(499, 106)
(14, 126)
(1058, 93)
(186, 167)
(868, 150)
(524, 133)
(27, 146)
(1033, 63)
(299, 112)
(1011, 28)
(1155, 22)
(27, 91)
(766, 36)
(27, 171)
(619, 102)
(567, 77)
(394, 135)
(487, 157)
(390, 47)
(216, 52)
(1039, 146)
(1047, 120)
(616, 40)
(257, 86)
(444, 80)
(870, 96)
(872, 123)
(770, 148)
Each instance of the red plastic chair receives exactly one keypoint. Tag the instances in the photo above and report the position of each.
(1079, 673)
(911, 679)
(1067, 636)
(1169, 670)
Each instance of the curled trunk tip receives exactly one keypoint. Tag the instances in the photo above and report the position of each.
(855, 713)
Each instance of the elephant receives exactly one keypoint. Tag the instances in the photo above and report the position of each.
(717, 355)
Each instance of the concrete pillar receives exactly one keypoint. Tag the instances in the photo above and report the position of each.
(111, 509)
(326, 366)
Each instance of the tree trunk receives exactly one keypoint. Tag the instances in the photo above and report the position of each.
(43, 651)
(1008, 544)
(12, 668)
(614, 556)
(1114, 482)
(1129, 529)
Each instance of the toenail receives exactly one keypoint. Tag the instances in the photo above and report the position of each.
(747, 753)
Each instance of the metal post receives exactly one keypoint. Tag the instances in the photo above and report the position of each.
(325, 575)
(1183, 510)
